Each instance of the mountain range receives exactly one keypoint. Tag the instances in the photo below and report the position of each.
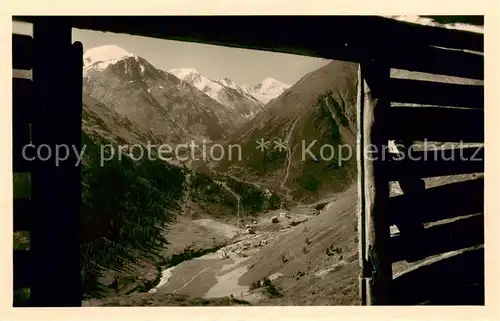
(178, 105)
(222, 91)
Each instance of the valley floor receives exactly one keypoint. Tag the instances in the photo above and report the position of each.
(215, 275)
(302, 262)
(305, 256)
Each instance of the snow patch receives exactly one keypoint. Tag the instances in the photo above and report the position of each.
(165, 275)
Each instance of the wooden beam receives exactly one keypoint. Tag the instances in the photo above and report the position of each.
(435, 124)
(439, 162)
(376, 185)
(361, 191)
(22, 51)
(56, 190)
(363, 27)
(435, 93)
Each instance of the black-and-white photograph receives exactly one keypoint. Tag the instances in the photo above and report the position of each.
(248, 160)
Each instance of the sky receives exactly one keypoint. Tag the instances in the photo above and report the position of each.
(241, 65)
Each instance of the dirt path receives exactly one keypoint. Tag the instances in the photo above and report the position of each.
(244, 182)
(187, 187)
(192, 279)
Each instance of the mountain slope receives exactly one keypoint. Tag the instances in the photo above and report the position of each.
(318, 110)
(123, 225)
(99, 120)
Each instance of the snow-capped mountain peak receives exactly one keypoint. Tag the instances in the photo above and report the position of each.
(208, 86)
(270, 84)
(228, 83)
(266, 90)
(223, 90)
(98, 58)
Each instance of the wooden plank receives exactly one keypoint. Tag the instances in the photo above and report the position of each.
(23, 211)
(376, 186)
(440, 238)
(456, 277)
(436, 61)
(442, 202)
(23, 267)
(361, 188)
(22, 51)
(22, 103)
(435, 93)
(436, 124)
(440, 162)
